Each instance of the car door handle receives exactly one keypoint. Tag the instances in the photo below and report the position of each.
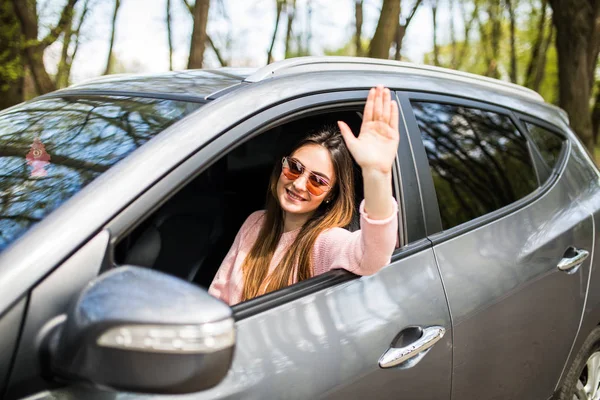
(572, 259)
(395, 356)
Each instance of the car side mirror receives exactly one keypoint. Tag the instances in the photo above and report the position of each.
(140, 330)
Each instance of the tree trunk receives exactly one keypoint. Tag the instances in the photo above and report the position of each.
(596, 115)
(109, 59)
(169, 36)
(511, 5)
(577, 25)
(494, 20)
(401, 30)
(540, 69)
(537, 47)
(277, 18)
(454, 49)
(62, 79)
(199, 35)
(11, 57)
(358, 22)
(436, 49)
(26, 12)
(386, 29)
(467, 30)
(291, 13)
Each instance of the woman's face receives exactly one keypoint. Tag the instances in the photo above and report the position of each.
(293, 195)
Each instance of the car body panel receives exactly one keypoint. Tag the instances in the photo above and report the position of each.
(10, 329)
(583, 179)
(48, 301)
(515, 315)
(327, 344)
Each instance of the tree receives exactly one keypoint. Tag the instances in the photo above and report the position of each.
(358, 22)
(436, 50)
(577, 25)
(401, 29)
(33, 48)
(511, 5)
(169, 35)
(199, 35)
(291, 14)
(112, 37)
(71, 36)
(279, 8)
(12, 63)
(386, 29)
(194, 49)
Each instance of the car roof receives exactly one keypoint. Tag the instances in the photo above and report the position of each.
(204, 84)
(187, 84)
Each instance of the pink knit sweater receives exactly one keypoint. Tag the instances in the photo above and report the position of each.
(363, 252)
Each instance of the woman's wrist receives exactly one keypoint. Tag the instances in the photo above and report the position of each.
(377, 174)
(378, 193)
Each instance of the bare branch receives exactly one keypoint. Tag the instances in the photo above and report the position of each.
(222, 61)
(66, 17)
(189, 6)
(169, 37)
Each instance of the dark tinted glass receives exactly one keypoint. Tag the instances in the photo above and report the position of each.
(51, 148)
(547, 142)
(479, 161)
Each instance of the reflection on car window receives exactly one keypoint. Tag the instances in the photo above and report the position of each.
(547, 142)
(478, 159)
(51, 148)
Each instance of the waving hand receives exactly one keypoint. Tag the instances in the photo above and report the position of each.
(377, 143)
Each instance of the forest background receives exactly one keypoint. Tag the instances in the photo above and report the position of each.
(550, 46)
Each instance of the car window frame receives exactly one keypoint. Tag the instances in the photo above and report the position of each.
(562, 157)
(245, 130)
(435, 232)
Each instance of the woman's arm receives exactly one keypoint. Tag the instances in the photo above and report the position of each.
(363, 252)
(375, 149)
(220, 286)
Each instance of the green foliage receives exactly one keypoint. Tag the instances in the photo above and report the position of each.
(11, 62)
(474, 60)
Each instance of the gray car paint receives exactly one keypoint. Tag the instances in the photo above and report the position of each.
(326, 345)
(515, 315)
(21, 266)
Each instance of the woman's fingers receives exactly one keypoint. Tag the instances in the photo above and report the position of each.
(387, 110)
(368, 113)
(378, 107)
(347, 134)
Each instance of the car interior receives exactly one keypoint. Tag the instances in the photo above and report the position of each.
(190, 234)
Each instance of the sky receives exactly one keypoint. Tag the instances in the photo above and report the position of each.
(141, 38)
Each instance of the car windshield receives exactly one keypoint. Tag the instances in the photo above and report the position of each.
(52, 147)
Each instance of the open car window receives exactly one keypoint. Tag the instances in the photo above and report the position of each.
(191, 233)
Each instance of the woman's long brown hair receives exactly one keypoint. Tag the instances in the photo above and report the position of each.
(298, 258)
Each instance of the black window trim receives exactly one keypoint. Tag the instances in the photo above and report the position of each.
(428, 190)
(212, 150)
(562, 157)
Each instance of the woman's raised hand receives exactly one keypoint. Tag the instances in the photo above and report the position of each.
(377, 143)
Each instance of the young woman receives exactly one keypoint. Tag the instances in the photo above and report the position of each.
(309, 201)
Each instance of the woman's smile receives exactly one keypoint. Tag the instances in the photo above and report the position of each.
(294, 196)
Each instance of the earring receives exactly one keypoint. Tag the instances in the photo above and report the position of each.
(327, 201)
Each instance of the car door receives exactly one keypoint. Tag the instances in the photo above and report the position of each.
(323, 338)
(503, 226)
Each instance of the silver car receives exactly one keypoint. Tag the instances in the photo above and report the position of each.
(121, 196)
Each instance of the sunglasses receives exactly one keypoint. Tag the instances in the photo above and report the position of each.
(315, 184)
